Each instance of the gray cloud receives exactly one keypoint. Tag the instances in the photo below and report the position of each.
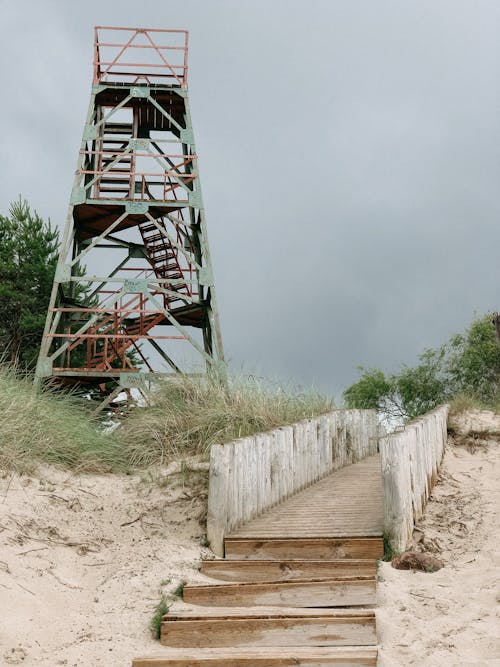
(349, 156)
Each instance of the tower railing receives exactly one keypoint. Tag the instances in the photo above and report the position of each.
(109, 167)
(140, 55)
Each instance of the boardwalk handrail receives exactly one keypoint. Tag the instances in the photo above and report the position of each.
(250, 475)
(410, 463)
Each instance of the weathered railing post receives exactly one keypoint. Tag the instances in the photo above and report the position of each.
(410, 462)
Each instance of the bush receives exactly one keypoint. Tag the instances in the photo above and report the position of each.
(468, 365)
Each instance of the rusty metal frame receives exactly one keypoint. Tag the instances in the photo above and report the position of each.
(130, 182)
(147, 70)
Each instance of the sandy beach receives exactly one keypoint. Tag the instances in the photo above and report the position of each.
(451, 617)
(84, 560)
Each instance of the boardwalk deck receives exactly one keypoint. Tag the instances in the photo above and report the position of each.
(347, 503)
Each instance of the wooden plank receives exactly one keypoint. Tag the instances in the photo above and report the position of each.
(301, 593)
(217, 498)
(304, 549)
(251, 632)
(275, 570)
(262, 657)
(194, 612)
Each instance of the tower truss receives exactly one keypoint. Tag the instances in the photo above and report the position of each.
(134, 282)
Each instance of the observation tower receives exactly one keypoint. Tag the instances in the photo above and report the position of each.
(133, 294)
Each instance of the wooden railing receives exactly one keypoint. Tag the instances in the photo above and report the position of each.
(410, 463)
(252, 474)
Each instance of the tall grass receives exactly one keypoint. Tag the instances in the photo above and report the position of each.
(465, 403)
(50, 428)
(189, 415)
(186, 417)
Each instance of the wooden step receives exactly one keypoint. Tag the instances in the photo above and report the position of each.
(184, 611)
(320, 548)
(265, 626)
(263, 657)
(108, 188)
(117, 128)
(341, 592)
(276, 570)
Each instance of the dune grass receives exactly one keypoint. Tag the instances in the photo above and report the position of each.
(186, 416)
(49, 427)
(465, 403)
(189, 415)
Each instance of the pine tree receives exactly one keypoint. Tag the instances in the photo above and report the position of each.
(29, 248)
(28, 257)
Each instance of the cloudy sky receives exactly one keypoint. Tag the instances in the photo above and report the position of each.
(350, 162)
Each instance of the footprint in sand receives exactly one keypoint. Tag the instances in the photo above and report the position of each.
(15, 656)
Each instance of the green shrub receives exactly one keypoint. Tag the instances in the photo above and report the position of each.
(468, 365)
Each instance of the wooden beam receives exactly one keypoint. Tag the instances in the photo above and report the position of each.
(262, 657)
(300, 548)
(284, 570)
(301, 593)
(270, 629)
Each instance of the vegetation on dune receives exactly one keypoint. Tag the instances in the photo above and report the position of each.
(160, 610)
(465, 403)
(50, 427)
(465, 372)
(188, 415)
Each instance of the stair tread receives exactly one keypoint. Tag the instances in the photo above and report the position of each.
(241, 585)
(292, 562)
(293, 593)
(265, 652)
(195, 612)
(317, 548)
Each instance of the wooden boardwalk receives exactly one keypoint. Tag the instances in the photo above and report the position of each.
(297, 585)
(347, 503)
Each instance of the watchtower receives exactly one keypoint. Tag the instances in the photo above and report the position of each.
(134, 272)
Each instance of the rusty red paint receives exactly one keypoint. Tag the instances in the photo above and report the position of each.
(144, 40)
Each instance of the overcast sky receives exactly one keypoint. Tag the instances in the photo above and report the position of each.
(349, 158)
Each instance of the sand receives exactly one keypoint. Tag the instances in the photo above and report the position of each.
(84, 560)
(82, 563)
(451, 617)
